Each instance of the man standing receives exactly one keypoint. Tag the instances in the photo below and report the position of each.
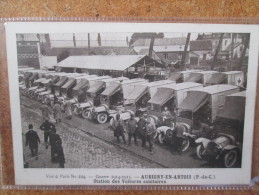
(179, 137)
(53, 138)
(45, 112)
(32, 139)
(141, 130)
(150, 132)
(57, 112)
(60, 153)
(118, 128)
(46, 127)
(131, 127)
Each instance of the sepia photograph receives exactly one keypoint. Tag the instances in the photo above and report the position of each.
(134, 100)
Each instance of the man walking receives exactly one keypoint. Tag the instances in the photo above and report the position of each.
(131, 127)
(53, 138)
(118, 128)
(45, 112)
(32, 139)
(47, 127)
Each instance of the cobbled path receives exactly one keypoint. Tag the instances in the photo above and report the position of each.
(80, 149)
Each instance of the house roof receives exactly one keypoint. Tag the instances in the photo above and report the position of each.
(230, 46)
(146, 52)
(27, 37)
(201, 45)
(106, 62)
(160, 41)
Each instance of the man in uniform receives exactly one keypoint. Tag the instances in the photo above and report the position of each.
(118, 128)
(141, 130)
(53, 139)
(150, 131)
(32, 139)
(131, 127)
(47, 127)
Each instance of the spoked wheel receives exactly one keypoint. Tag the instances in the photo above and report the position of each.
(185, 144)
(161, 138)
(102, 118)
(230, 158)
(37, 97)
(199, 151)
(75, 110)
(31, 94)
(85, 113)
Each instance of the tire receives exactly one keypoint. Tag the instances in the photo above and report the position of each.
(199, 151)
(85, 113)
(76, 110)
(161, 138)
(230, 158)
(102, 118)
(37, 97)
(185, 144)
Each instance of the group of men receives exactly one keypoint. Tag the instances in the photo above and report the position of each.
(50, 138)
(143, 129)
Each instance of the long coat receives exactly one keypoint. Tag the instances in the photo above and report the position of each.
(57, 111)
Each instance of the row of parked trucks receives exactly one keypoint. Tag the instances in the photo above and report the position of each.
(195, 98)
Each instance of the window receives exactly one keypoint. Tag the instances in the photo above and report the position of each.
(226, 42)
(204, 56)
(165, 55)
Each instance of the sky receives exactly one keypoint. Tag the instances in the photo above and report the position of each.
(111, 36)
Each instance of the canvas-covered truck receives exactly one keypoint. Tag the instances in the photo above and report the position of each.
(170, 96)
(57, 88)
(67, 88)
(93, 94)
(37, 84)
(112, 99)
(201, 77)
(139, 96)
(203, 105)
(226, 146)
(230, 77)
(182, 76)
(39, 95)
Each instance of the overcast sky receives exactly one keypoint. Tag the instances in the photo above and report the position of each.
(111, 36)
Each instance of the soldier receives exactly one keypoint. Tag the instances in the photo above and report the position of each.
(45, 112)
(150, 131)
(46, 127)
(60, 153)
(57, 112)
(32, 139)
(53, 138)
(118, 128)
(179, 137)
(131, 127)
(141, 130)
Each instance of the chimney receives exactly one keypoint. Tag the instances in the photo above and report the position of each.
(151, 46)
(89, 47)
(99, 40)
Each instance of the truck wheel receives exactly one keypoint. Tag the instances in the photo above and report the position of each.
(230, 158)
(85, 113)
(76, 110)
(102, 118)
(161, 138)
(199, 151)
(185, 144)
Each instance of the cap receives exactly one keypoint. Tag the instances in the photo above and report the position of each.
(30, 126)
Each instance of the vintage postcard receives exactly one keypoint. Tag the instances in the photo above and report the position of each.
(132, 103)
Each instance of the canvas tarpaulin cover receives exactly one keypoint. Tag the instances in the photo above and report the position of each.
(175, 76)
(111, 89)
(217, 78)
(69, 83)
(194, 78)
(234, 108)
(61, 82)
(161, 96)
(194, 101)
(83, 83)
(137, 93)
(96, 87)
